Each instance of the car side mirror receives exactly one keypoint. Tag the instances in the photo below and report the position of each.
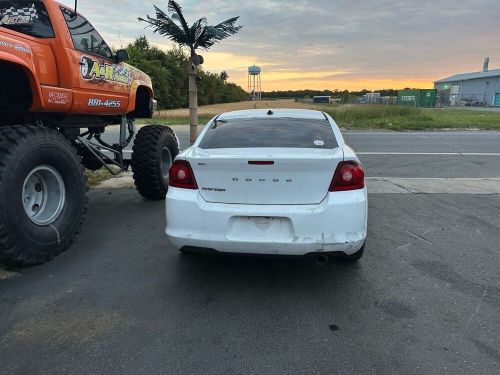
(122, 55)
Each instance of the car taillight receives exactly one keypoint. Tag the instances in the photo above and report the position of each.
(181, 175)
(348, 176)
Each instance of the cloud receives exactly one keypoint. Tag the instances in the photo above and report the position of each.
(385, 42)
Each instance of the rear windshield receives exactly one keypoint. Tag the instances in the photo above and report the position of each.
(269, 132)
(27, 17)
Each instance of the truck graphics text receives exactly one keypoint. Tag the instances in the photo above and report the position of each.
(94, 70)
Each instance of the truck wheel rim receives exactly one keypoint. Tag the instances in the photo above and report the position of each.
(166, 161)
(43, 195)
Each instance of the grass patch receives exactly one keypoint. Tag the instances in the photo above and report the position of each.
(409, 118)
(94, 178)
(374, 116)
(465, 119)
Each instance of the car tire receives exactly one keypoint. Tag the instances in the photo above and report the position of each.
(42, 194)
(353, 257)
(155, 148)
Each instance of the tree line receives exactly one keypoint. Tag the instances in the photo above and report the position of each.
(167, 70)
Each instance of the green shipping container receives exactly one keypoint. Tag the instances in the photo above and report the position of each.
(417, 98)
(428, 98)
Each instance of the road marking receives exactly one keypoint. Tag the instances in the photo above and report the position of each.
(429, 153)
(480, 153)
(379, 185)
(128, 153)
(434, 178)
(405, 153)
(450, 133)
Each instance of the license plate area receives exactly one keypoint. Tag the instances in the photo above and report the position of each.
(260, 229)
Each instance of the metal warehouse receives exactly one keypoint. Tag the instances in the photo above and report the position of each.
(473, 89)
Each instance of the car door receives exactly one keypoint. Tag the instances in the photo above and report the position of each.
(101, 85)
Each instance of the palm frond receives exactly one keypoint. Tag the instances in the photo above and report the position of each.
(173, 7)
(176, 8)
(197, 29)
(199, 35)
(214, 34)
(164, 25)
(228, 27)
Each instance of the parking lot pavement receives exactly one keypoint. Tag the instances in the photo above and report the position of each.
(424, 299)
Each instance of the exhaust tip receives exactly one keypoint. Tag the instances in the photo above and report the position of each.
(322, 260)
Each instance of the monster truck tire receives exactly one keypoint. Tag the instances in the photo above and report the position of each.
(155, 148)
(42, 194)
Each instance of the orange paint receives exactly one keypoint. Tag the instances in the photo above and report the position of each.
(64, 79)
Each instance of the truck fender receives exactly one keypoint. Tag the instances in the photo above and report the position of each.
(133, 93)
(34, 84)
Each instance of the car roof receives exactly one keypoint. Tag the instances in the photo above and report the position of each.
(277, 113)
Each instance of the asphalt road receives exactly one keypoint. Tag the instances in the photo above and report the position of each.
(425, 299)
(414, 154)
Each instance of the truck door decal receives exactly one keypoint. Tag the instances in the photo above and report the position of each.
(104, 103)
(29, 17)
(17, 47)
(17, 16)
(93, 70)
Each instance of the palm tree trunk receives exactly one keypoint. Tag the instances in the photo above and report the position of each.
(193, 102)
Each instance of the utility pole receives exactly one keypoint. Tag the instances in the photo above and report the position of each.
(198, 35)
(192, 71)
(193, 101)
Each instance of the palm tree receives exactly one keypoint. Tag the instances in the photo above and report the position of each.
(198, 35)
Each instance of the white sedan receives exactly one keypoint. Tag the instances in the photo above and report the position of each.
(277, 181)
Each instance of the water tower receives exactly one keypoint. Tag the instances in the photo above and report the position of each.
(254, 87)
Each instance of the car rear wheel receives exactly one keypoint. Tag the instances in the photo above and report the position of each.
(42, 194)
(154, 151)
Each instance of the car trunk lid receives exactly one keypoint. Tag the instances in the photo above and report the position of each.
(264, 176)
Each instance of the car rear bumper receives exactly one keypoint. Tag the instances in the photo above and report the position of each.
(337, 224)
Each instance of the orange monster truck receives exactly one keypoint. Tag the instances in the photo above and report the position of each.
(60, 86)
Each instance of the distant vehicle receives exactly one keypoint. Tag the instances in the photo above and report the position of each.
(322, 99)
(277, 182)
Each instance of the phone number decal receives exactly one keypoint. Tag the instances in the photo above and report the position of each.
(104, 103)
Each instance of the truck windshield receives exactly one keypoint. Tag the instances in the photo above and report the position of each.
(27, 17)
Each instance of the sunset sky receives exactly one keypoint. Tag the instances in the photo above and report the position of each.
(328, 44)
